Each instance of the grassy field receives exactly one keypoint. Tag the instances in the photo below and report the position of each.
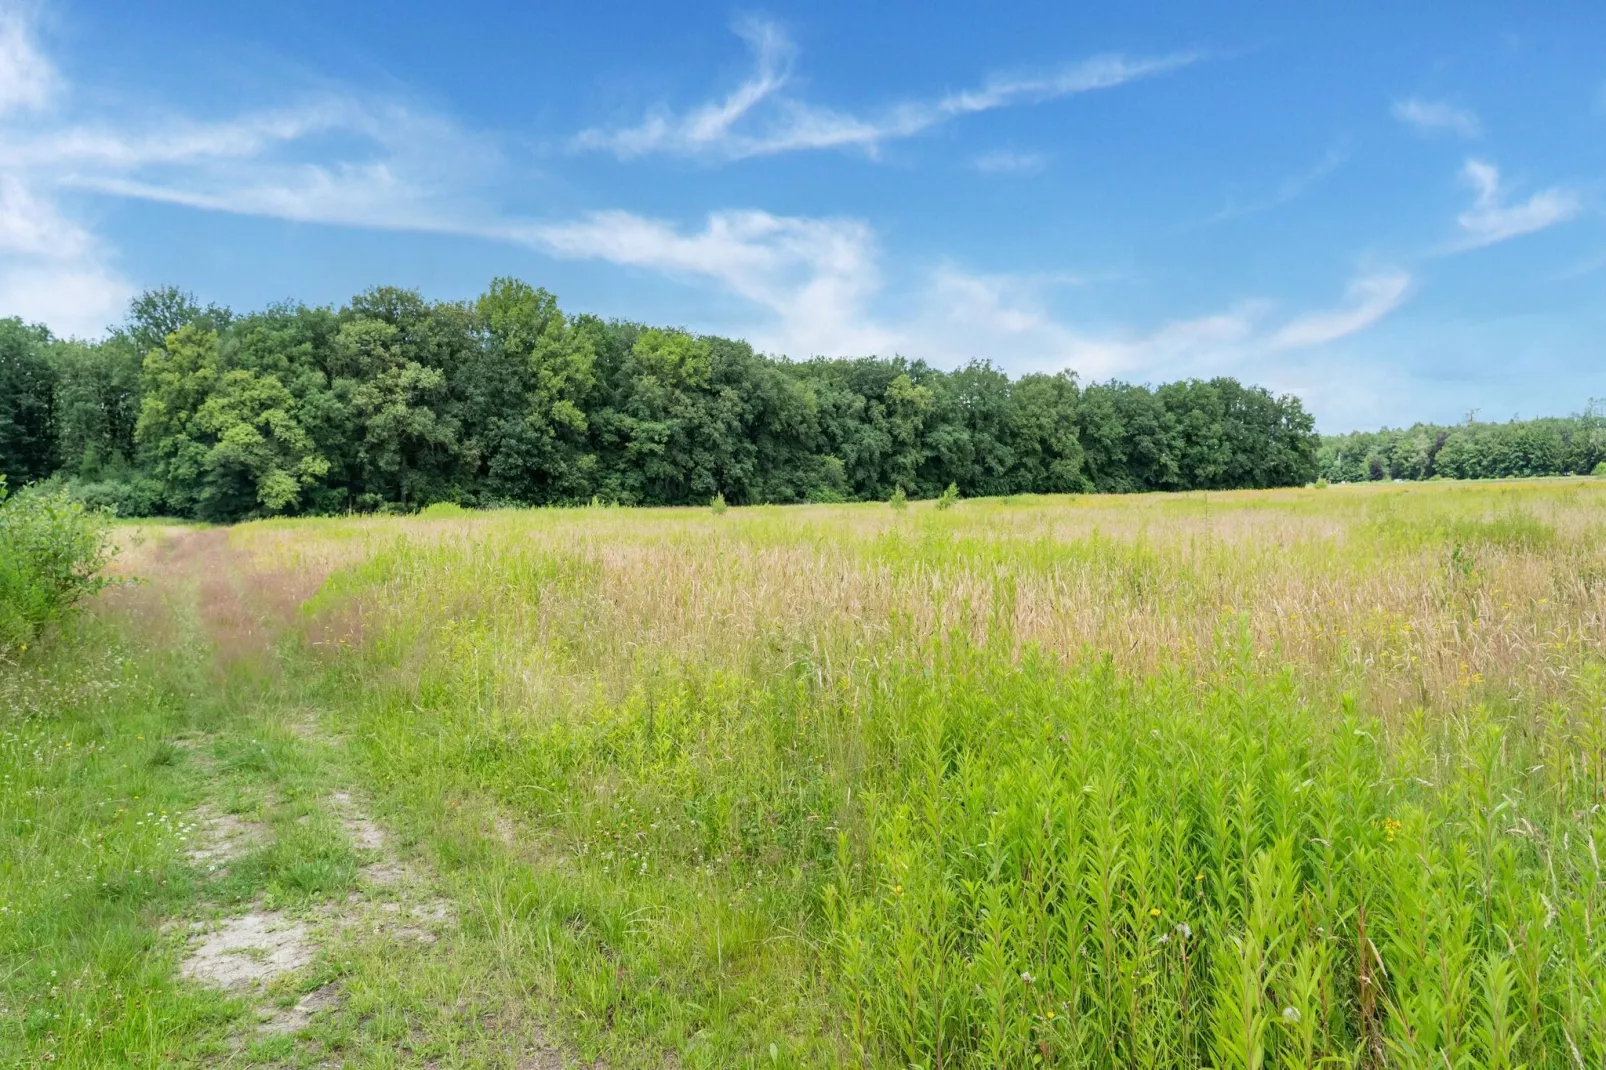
(1294, 778)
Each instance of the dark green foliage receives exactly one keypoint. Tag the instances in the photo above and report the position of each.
(393, 402)
(1552, 446)
(27, 405)
(96, 407)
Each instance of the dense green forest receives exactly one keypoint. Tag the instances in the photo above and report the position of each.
(1549, 446)
(393, 402)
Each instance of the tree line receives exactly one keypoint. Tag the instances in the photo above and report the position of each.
(393, 402)
(1548, 446)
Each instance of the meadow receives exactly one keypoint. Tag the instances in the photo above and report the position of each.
(1260, 778)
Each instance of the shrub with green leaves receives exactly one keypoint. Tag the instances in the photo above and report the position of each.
(52, 552)
(899, 499)
(949, 497)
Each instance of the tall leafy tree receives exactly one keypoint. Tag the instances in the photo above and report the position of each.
(1048, 449)
(259, 460)
(399, 402)
(97, 403)
(27, 403)
(525, 395)
(176, 379)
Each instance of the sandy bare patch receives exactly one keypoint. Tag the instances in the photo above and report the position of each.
(296, 1018)
(419, 922)
(390, 873)
(249, 949)
(405, 909)
(365, 835)
(219, 837)
(502, 828)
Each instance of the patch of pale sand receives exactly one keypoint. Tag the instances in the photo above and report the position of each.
(220, 837)
(419, 922)
(541, 850)
(404, 908)
(390, 873)
(293, 1019)
(504, 831)
(365, 835)
(248, 950)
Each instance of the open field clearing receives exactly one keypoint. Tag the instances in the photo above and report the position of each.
(1271, 778)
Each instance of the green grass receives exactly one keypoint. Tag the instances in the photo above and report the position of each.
(1283, 779)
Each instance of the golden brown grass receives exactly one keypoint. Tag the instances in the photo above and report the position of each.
(1421, 595)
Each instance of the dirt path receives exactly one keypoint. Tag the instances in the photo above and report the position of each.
(272, 950)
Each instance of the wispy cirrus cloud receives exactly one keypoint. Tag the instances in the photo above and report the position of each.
(1290, 190)
(1436, 117)
(1492, 218)
(971, 316)
(1004, 318)
(28, 81)
(1368, 299)
(761, 118)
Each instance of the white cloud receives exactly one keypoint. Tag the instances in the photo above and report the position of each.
(1004, 161)
(52, 270)
(1002, 318)
(781, 123)
(818, 286)
(372, 194)
(1432, 117)
(384, 165)
(27, 79)
(403, 172)
(33, 226)
(813, 276)
(1370, 298)
(74, 301)
(1491, 219)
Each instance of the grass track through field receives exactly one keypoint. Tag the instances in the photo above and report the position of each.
(259, 913)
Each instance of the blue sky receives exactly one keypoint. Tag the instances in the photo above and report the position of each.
(1391, 210)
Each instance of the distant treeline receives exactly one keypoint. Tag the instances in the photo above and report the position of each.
(1551, 446)
(394, 402)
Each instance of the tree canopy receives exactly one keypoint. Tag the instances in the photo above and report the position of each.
(1548, 446)
(393, 402)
